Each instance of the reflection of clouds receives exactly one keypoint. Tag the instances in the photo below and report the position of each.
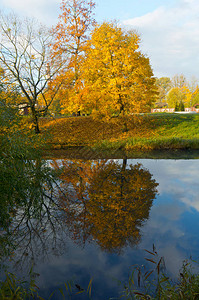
(173, 258)
(191, 202)
(163, 222)
(169, 226)
(164, 211)
(80, 265)
(178, 178)
(164, 232)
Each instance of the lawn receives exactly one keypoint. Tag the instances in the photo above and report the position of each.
(146, 132)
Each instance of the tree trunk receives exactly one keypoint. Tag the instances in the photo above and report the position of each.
(125, 128)
(124, 163)
(35, 120)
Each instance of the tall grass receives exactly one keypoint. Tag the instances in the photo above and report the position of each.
(155, 284)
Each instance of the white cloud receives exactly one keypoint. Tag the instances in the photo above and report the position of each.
(43, 10)
(170, 38)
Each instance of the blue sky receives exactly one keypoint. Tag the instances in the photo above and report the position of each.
(125, 9)
(169, 29)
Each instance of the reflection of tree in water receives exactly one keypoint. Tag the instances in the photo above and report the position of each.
(31, 222)
(99, 201)
(106, 202)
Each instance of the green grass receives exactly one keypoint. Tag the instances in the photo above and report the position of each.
(146, 133)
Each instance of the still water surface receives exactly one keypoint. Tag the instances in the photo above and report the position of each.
(99, 217)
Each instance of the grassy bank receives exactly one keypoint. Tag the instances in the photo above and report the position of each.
(147, 132)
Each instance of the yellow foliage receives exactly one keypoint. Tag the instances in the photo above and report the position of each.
(75, 21)
(187, 96)
(118, 78)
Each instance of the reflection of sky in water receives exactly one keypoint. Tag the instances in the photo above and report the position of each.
(174, 219)
(173, 228)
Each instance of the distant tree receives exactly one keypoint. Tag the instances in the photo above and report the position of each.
(187, 96)
(193, 84)
(117, 77)
(164, 85)
(181, 106)
(195, 97)
(71, 34)
(27, 63)
(179, 81)
(174, 96)
(182, 93)
(176, 106)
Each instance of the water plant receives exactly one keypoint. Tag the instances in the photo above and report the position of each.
(155, 284)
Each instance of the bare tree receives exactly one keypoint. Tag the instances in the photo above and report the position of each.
(25, 57)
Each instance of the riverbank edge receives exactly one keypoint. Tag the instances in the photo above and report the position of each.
(135, 144)
(85, 152)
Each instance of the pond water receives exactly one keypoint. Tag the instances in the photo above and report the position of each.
(94, 219)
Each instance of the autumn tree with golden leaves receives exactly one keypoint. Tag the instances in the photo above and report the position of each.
(117, 76)
(75, 22)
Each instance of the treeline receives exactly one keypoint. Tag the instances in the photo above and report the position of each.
(79, 67)
(177, 92)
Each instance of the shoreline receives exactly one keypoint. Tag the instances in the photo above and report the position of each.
(86, 153)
